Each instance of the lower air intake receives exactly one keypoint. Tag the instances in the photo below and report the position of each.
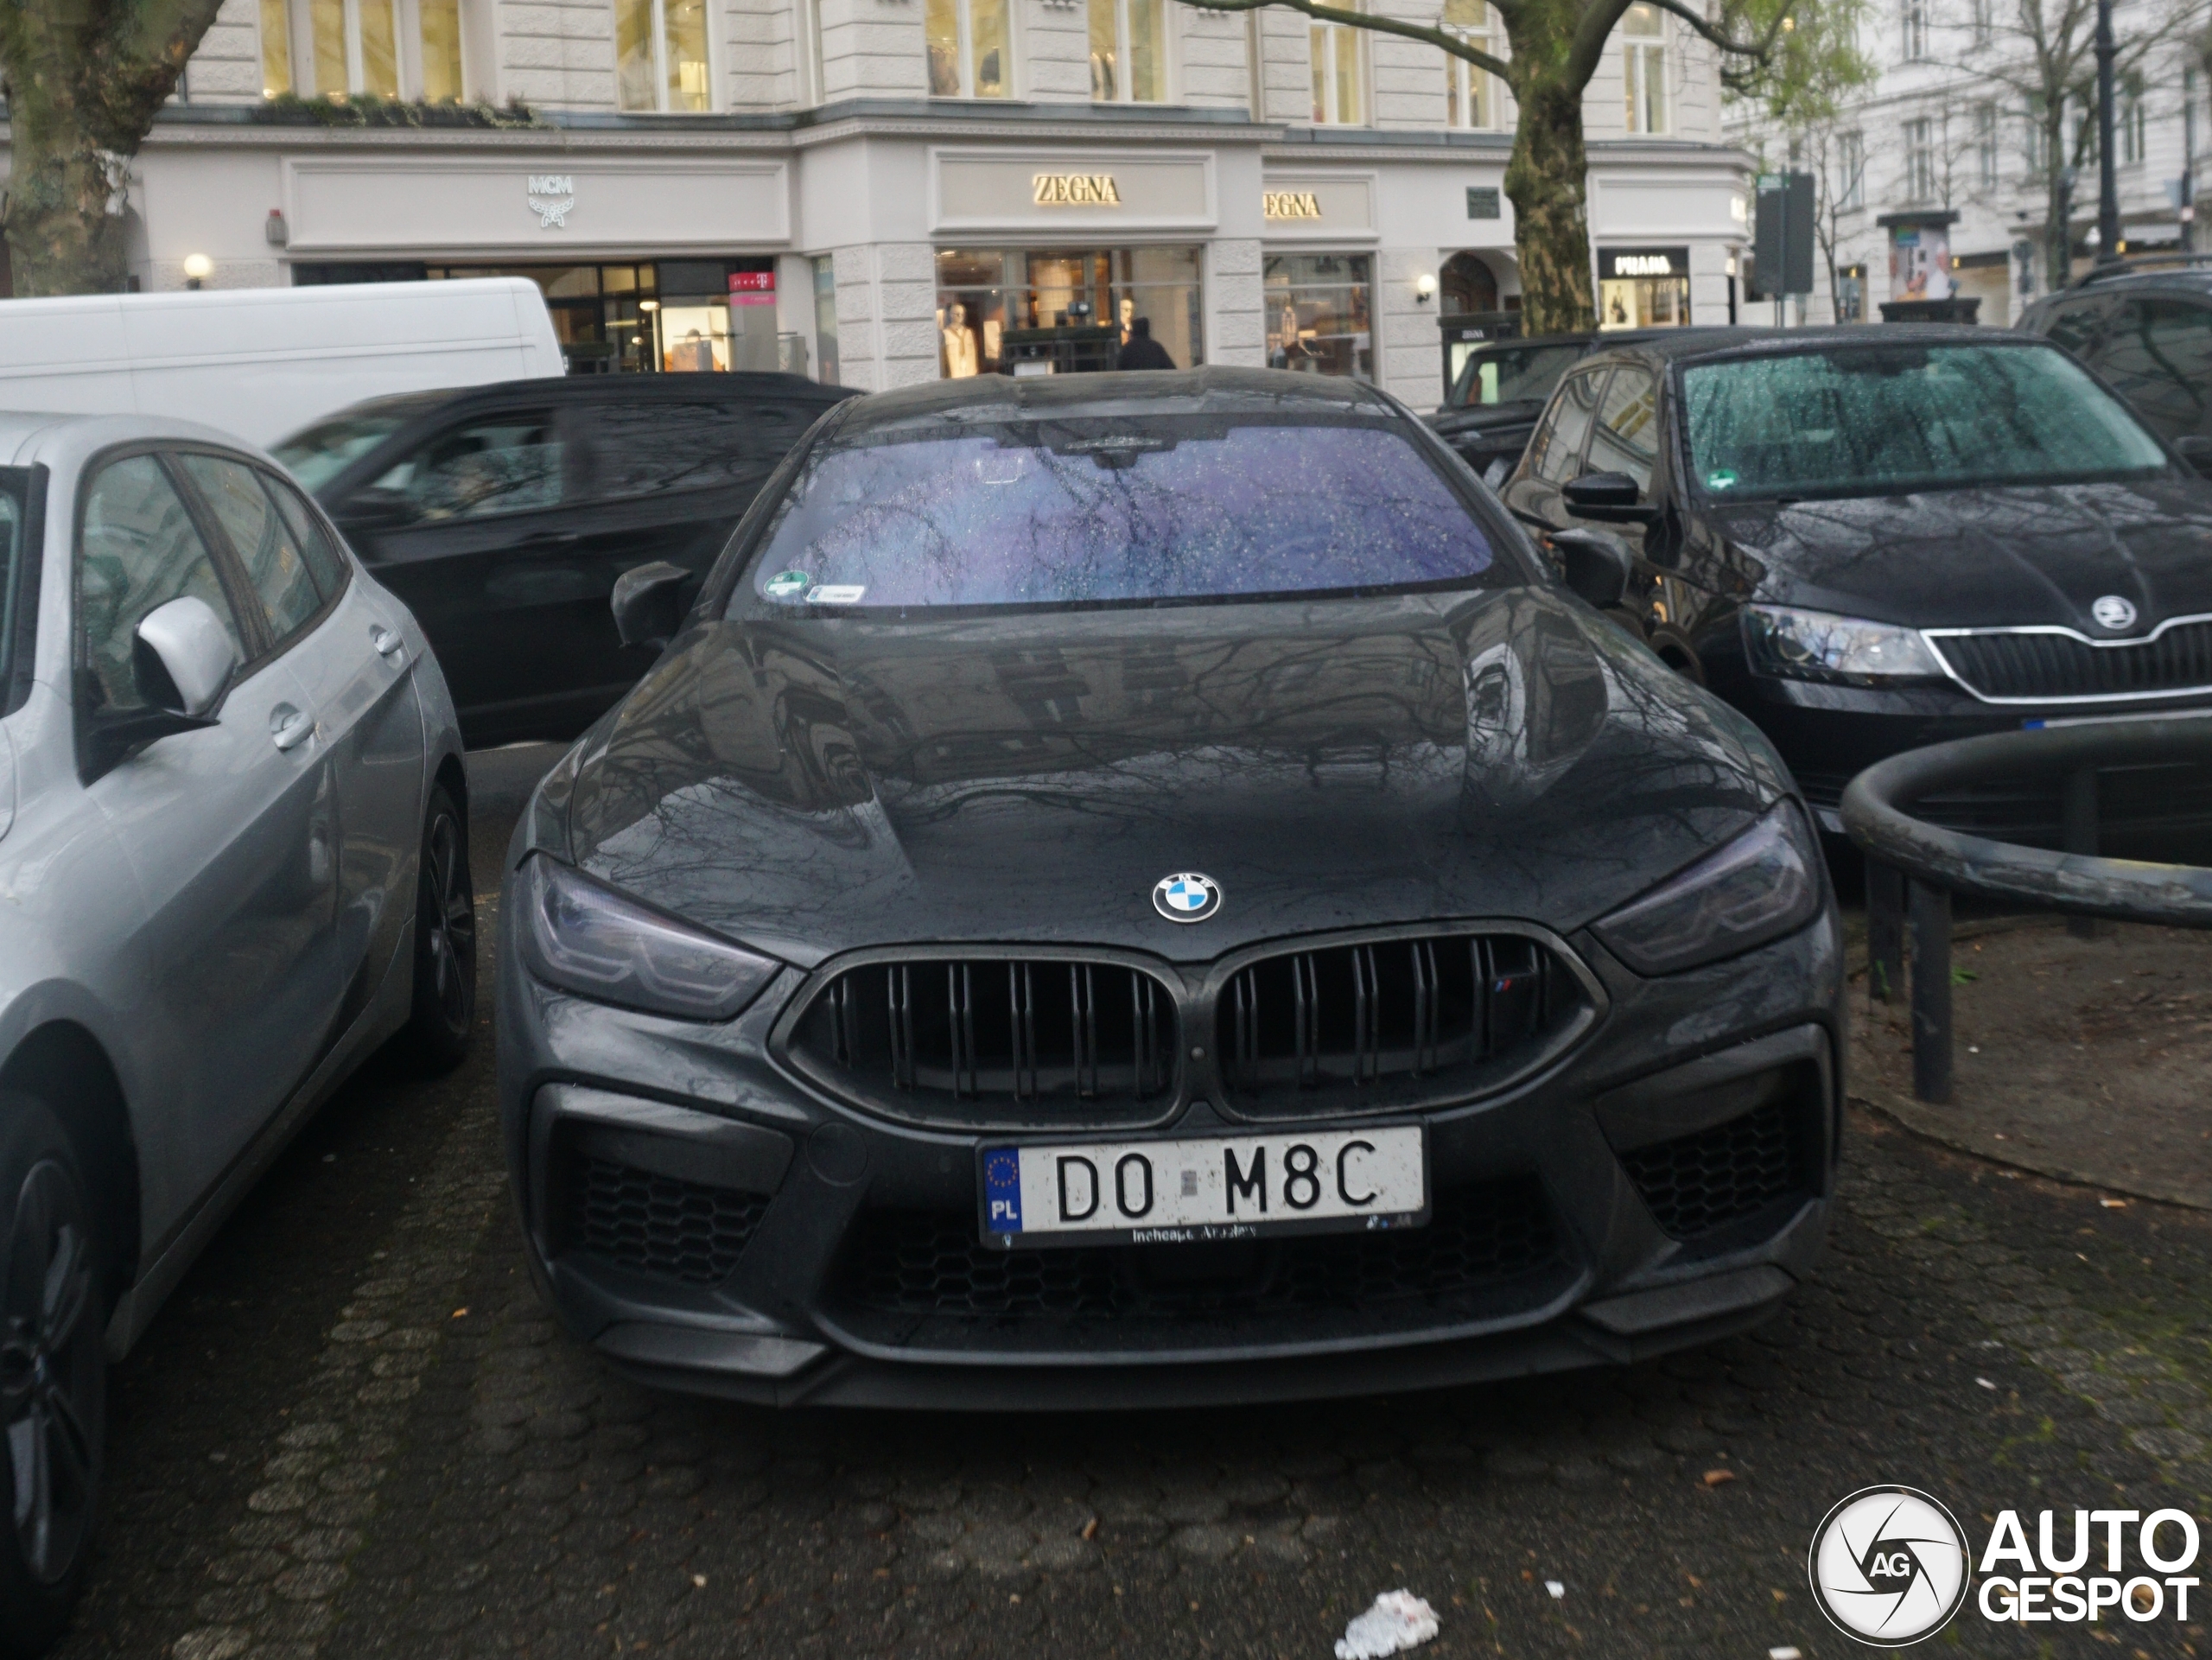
(657, 1224)
(1697, 1183)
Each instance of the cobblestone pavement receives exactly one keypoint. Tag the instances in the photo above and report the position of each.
(357, 1434)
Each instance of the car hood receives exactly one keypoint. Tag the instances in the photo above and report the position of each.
(811, 786)
(1987, 558)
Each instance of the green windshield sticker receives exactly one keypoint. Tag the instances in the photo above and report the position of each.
(1719, 478)
(787, 584)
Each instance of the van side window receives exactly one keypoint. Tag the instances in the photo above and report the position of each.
(1568, 427)
(655, 448)
(137, 549)
(263, 541)
(1626, 437)
(509, 462)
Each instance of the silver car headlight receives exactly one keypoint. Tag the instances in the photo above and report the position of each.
(1820, 646)
(582, 936)
(1762, 885)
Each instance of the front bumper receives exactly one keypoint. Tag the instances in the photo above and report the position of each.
(706, 1222)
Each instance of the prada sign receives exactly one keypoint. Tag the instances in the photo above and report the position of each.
(1289, 203)
(1615, 263)
(1074, 190)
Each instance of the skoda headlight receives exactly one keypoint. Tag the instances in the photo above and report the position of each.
(1760, 885)
(1818, 646)
(582, 936)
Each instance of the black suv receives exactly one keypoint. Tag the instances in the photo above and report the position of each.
(2146, 326)
(1501, 390)
(503, 514)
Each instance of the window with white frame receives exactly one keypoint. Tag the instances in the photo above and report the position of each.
(1851, 171)
(969, 51)
(1915, 19)
(2131, 122)
(1339, 54)
(812, 89)
(1470, 94)
(1129, 51)
(1984, 145)
(350, 48)
(660, 56)
(1919, 160)
(1643, 67)
(2035, 139)
(1982, 21)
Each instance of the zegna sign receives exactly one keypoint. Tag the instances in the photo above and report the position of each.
(1075, 190)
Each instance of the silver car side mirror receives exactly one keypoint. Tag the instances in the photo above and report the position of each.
(183, 643)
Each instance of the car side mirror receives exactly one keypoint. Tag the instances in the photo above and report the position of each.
(649, 603)
(376, 507)
(1596, 566)
(182, 658)
(2197, 449)
(1609, 498)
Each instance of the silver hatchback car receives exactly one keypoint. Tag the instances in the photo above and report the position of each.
(233, 860)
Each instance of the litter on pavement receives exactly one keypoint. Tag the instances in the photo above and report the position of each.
(1398, 1621)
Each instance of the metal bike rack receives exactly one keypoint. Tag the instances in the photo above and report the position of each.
(1913, 866)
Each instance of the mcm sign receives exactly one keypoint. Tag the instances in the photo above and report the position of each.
(551, 195)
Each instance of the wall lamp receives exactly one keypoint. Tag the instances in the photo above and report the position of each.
(1424, 289)
(198, 268)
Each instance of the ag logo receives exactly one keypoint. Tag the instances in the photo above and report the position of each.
(2112, 612)
(1185, 897)
(1889, 1566)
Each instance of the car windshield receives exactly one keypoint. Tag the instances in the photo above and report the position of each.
(318, 453)
(1885, 419)
(1512, 374)
(1104, 511)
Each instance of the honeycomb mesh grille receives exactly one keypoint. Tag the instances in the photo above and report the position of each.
(1696, 1183)
(657, 1224)
(929, 1263)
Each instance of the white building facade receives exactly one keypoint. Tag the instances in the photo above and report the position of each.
(1931, 180)
(883, 192)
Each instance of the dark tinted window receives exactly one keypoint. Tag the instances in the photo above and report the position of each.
(509, 462)
(315, 545)
(657, 447)
(321, 452)
(1089, 510)
(263, 541)
(137, 549)
(1556, 454)
(15, 559)
(1513, 374)
(2159, 354)
(2075, 324)
(1626, 437)
(1888, 418)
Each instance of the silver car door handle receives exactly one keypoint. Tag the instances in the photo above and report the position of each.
(290, 727)
(389, 642)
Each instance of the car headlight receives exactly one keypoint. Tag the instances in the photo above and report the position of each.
(1819, 645)
(582, 936)
(1762, 885)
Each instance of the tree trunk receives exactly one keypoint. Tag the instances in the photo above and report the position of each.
(1548, 183)
(85, 79)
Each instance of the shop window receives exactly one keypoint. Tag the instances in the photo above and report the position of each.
(660, 55)
(1129, 51)
(1644, 53)
(1339, 53)
(1067, 310)
(352, 48)
(1470, 94)
(969, 48)
(825, 320)
(1319, 312)
(1643, 288)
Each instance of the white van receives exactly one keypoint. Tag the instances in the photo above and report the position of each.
(265, 362)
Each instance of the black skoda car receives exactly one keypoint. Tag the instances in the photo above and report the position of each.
(1870, 539)
(1140, 888)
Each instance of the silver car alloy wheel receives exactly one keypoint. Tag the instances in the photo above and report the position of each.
(50, 1380)
(453, 932)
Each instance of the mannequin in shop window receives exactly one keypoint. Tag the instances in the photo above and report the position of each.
(959, 345)
(1144, 352)
(1129, 309)
(693, 354)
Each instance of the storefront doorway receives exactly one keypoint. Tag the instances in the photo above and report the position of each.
(1643, 288)
(1319, 309)
(668, 316)
(982, 294)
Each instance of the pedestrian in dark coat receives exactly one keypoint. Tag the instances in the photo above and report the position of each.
(1142, 352)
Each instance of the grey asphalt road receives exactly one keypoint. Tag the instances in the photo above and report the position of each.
(354, 1432)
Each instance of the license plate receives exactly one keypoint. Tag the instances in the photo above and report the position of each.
(1205, 1188)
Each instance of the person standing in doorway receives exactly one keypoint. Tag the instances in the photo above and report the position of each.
(1144, 352)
